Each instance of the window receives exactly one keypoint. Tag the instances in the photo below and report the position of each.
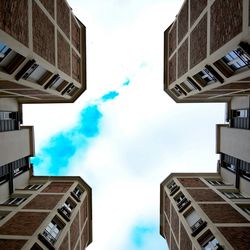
(14, 201)
(179, 90)
(216, 182)
(237, 59)
(209, 242)
(52, 231)
(66, 209)
(78, 192)
(195, 222)
(242, 113)
(189, 85)
(173, 188)
(207, 76)
(233, 195)
(4, 51)
(56, 84)
(8, 121)
(181, 201)
(34, 186)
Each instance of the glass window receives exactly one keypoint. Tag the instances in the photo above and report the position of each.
(52, 232)
(4, 51)
(236, 59)
(207, 76)
(78, 192)
(211, 244)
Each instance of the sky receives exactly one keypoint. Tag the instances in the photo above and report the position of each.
(124, 135)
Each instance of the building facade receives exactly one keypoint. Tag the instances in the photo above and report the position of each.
(42, 51)
(207, 51)
(212, 210)
(205, 211)
(46, 213)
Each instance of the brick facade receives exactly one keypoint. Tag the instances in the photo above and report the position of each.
(84, 212)
(191, 182)
(185, 242)
(63, 54)
(63, 18)
(172, 69)
(204, 195)
(43, 202)
(65, 243)
(226, 22)
(76, 62)
(238, 237)
(183, 22)
(167, 230)
(198, 42)
(172, 39)
(11, 244)
(75, 33)
(196, 7)
(43, 35)
(222, 213)
(49, 6)
(16, 27)
(74, 231)
(183, 59)
(58, 187)
(167, 206)
(173, 243)
(23, 223)
(175, 223)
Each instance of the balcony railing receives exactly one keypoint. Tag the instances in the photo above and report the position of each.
(183, 204)
(198, 226)
(174, 190)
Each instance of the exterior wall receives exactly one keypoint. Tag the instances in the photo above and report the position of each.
(234, 142)
(16, 144)
(28, 220)
(205, 32)
(212, 206)
(240, 102)
(8, 104)
(58, 46)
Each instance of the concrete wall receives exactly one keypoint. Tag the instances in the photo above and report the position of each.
(240, 102)
(8, 104)
(16, 144)
(235, 142)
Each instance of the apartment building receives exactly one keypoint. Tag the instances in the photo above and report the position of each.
(207, 51)
(46, 213)
(212, 210)
(42, 52)
(205, 211)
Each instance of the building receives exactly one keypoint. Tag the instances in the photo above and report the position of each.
(42, 52)
(212, 210)
(207, 51)
(205, 211)
(37, 212)
(45, 213)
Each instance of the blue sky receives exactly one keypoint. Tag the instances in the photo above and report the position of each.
(124, 135)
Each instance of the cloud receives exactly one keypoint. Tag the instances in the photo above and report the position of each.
(111, 95)
(55, 156)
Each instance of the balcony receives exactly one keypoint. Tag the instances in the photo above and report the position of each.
(183, 204)
(173, 190)
(198, 226)
(16, 145)
(233, 142)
